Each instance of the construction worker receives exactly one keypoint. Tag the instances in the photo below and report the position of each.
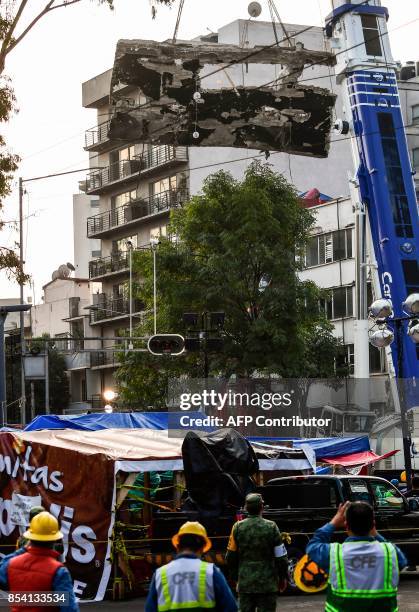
(257, 559)
(364, 570)
(188, 582)
(37, 570)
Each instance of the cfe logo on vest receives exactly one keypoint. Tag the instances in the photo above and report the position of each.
(363, 561)
(181, 577)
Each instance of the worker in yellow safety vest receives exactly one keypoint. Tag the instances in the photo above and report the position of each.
(188, 582)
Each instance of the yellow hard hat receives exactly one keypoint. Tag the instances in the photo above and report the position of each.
(192, 528)
(309, 577)
(403, 476)
(43, 528)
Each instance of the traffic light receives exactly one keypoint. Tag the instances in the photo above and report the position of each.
(166, 344)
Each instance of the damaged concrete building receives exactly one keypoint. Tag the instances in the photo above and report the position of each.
(141, 179)
(183, 108)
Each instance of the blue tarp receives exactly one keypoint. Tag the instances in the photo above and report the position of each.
(323, 447)
(96, 421)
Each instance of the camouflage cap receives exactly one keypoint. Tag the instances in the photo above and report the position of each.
(35, 510)
(254, 500)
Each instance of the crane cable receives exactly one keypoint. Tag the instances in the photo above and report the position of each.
(275, 13)
(179, 16)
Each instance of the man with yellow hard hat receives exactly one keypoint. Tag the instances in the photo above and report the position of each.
(187, 582)
(37, 571)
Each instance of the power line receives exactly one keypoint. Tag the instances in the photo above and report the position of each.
(241, 60)
(261, 86)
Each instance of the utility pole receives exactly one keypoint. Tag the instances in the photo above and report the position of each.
(22, 284)
(22, 402)
(3, 315)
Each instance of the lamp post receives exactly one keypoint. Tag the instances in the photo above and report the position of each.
(130, 250)
(154, 242)
(381, 311)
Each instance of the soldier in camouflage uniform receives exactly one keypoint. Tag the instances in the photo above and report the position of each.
(256, 558)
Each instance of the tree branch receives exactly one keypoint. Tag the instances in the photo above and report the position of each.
(47, 9)
(6, 42)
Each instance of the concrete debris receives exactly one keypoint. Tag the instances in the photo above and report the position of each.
(287, 117)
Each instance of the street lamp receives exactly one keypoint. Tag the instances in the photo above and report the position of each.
(154, 243)
(109, 395)
(130, 247)
(381, 311)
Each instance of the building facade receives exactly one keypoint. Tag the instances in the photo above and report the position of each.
(138, 185)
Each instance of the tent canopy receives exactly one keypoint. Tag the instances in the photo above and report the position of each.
(163, 421)
(363, 458)
(115, 444)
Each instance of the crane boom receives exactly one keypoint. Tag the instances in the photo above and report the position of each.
(365, 63)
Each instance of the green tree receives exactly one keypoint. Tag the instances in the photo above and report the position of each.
(239, 248)
(12, 14)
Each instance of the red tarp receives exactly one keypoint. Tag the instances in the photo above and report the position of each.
(364, 458)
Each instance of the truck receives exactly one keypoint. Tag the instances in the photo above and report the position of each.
(301, 504)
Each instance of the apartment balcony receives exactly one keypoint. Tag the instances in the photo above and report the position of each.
(154, 159)
(104, 224)
(96, 138)
(106, 267)
(104, 359)
(78, 361)
(108, 309)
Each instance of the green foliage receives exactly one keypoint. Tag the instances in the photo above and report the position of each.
(231, 239)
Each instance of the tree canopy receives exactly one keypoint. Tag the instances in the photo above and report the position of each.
(236, 248)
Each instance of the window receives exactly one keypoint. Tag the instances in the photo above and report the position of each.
(377, 360)
(339, 303)
(123, 198)
(120, 246)
(327, 248)
(386, 496)
(96, 253)
(395, 180)
(372, 37)
(345, 360)
(120, 291)
(415, 157)
(358, 491)
(157, 232)
(94, 203)
(169, 183)
(122, 154)
(411, 275)
(415, 114)
(310, 493)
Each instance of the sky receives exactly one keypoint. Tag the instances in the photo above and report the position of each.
(72, 45)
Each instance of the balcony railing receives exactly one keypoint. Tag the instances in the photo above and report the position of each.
(134, 210)
(113, 308)
(97, 135)
(104, 358)
(108, 265)
(98, 179)
(159, 156)
(155, 157)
